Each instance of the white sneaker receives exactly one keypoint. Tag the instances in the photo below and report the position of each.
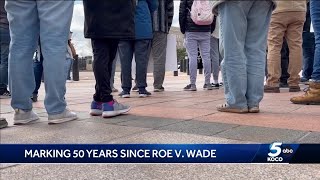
(24, 117)
(65, 116)
(69, 81)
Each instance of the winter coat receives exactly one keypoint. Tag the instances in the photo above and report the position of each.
(187, 24)
(163, 16)
(143, 21)
(112, 19)
(291, 6)
(216, 3)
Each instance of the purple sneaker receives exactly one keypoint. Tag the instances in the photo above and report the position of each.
(96, 108)
(113, 108)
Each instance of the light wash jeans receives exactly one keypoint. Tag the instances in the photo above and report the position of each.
(193, 41)
(244, 27)
(29, 20)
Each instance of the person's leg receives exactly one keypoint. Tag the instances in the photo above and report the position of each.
(38, 71)
(312, 96)
(192, 49)
(113, 72)
(53, 39)
(255, 49)
(204, 45)
(104, 51)
(24, 30)
(308, 46)
(142, 54)
(4, 52)
(275, 41)
(68, 64)
(233, 31)
(159, 50)
(126, 49)
(294, 39)
(284, 63)
(214, 52)
(69, 69)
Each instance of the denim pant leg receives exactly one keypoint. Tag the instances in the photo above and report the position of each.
(126, 49)
(215, 57)
(53, 37)
(24, 31)
(142, 54)
(308, 47)
(192, 50)
(233, 30)
(68, 65)
(4, 52)
(315, 16)
(38, 71)
(204, 45)
(255, 50)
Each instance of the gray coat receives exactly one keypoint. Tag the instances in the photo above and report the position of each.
(216, 3)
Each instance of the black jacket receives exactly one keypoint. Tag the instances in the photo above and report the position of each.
(186, 23)
(109, 19)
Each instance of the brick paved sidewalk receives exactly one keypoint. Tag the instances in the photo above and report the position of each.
(173, 116)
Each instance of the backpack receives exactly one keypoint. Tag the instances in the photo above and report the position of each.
(201, 12)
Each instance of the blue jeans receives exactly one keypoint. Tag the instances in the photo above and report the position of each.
(68, 66)
(315, 17)
(5, 41)
(308, 46)
(38, 71)
(244, 28)
(141, 49)
(29, 20)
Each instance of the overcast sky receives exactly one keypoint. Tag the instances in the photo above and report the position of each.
(82, 45)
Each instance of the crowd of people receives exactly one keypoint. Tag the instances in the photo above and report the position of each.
(248, 38)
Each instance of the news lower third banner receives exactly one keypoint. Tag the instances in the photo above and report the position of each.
(160, 153)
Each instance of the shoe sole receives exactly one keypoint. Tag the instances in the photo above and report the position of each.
(5, 97)
(108, 114)
(59, 121)
(272, 91)
(23, 122)
(158, 90)
(143, 95)
(125, 96)
(307, 103)
(96, 112)
(254, 110)
(190, 90)
(295, 90)
(231, 110)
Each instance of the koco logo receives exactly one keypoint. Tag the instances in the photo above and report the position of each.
(275, 151)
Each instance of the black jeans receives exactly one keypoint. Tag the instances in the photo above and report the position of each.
(284, 63)
(104, 52)
(141, 49)
(308, 46)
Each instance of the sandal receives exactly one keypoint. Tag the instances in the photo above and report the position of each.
(226, 108)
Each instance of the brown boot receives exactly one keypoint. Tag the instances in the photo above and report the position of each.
(312, 95)
(269, 89)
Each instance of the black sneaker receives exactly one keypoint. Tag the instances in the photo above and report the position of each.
(283, 85)
(135, 88)
(5, 94)
(190, 87)
(161, 89)
(221, 84)
(3, 123)
(215, 86)
(34, 98)
(124, 94)
(207, 87)
(144, 93)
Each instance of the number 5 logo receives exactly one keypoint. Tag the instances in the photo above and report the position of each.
(275, 149)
